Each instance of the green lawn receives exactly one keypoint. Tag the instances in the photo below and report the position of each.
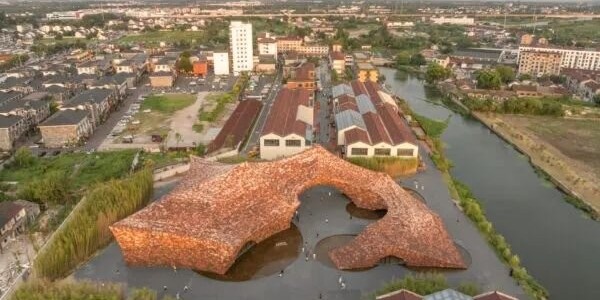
(82, 169)
(156, 37)
(168, 103)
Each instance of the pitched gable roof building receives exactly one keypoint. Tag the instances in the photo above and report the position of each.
(289, 126)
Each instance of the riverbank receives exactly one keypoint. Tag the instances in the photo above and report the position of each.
(567, 175)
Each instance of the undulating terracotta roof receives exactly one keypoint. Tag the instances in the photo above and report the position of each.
(217, 209)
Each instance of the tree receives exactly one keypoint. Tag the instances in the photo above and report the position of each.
(596, 99)
(489, 79)
(507, 74)
(403, 58)
(417, 60)
(436, 72)
(184, 65)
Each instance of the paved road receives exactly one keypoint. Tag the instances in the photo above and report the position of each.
(264, 112)
(323, 98)
(104, 129)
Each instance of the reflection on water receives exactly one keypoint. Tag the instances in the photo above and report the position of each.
(265, 258)
(363, 213)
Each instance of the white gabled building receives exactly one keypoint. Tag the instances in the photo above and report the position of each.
(288, 129)
(240, 43)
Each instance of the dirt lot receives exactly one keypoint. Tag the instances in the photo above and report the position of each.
(567, 149)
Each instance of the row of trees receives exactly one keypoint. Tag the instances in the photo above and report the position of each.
(87, 230)
(528, 106)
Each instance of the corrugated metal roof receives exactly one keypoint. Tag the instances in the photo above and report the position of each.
(364, 104)
(447, 294)
(341, 89)
(349, 118)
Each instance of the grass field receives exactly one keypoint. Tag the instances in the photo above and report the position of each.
(168, 103)
(155, 37)
(577, 139)
(83, 169)
(162, 107)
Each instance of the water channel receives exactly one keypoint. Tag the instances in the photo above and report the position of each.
(557, 243)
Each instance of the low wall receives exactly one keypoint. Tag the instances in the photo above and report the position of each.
(170, 171)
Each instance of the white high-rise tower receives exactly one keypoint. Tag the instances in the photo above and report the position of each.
(240, 42)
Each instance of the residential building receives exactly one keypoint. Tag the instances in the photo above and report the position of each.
(267, 45)
(406, 24)
(200, 67)
(289, 126)
(266, 64)
(368, 122)
(582, 83)
(571, 58)
(240, 43)
(66, 128)
(88, 67)
(97, 102)
(367, 72)
(453, 20)
(11, 128)
(338, 62)
(289, 44)
(303, 77)
(221, 63)
(162, 79)
(33, 112)
(539, 63)
(12, 222)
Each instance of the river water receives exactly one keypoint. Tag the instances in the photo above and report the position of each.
(556, 242)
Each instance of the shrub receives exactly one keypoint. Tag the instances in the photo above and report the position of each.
(87, 229)
(423, 284)
(393, 166)
(469, 288)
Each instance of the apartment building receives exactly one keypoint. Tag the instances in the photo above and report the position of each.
(289, 126)
(539, 63)
(288, 44)
(240, 42)
(338, 62)
(66, 128)
(570, 58)
(267, 45)
(221, 63)
(368, 122)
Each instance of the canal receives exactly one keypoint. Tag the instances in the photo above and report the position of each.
(556, 242)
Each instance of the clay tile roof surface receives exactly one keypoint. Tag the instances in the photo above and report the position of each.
(356, 135)
(237, 126)
(376, 129)
(217, 209)
(282, 119)
(495, 295)
(336, 55)
(304, 72)
(345, 102)
(358, 87)
(400, 295)
(398, 130)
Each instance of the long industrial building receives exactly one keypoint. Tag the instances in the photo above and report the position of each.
(289, 126)
(368, 122)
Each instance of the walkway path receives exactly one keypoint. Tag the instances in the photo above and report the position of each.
(182, 123)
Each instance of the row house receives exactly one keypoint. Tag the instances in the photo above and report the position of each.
(66, 128)
(18, 84)
(11, 128)
(12, 222)
(117, 83)
(585, 84)
(163, 72)
(97, 102)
